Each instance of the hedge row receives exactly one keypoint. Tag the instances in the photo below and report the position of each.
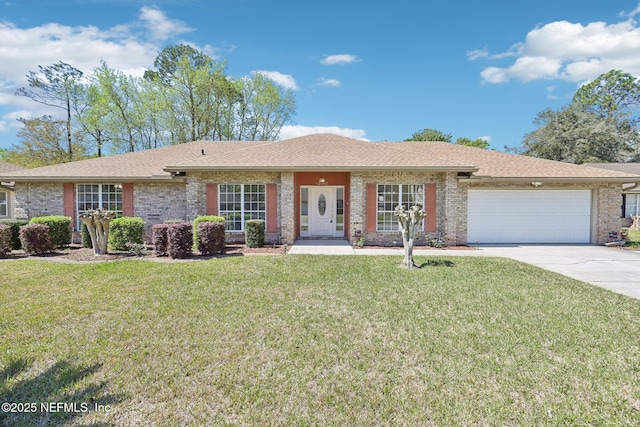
(5, 239)
(176, 239)
(254, 233)
(15, 232)
(125, 231)
(36, 239)
(59, 229)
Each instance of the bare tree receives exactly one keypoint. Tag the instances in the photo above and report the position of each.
(409, 222)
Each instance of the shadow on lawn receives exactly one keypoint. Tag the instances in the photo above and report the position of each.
(437, 263)
(50, 398)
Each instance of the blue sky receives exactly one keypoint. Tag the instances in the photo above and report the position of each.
(377, 70)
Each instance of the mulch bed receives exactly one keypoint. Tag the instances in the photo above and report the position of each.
(76, 253)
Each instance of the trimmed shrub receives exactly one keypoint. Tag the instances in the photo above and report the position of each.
(159, 239)
(211, 237)
(5, 239)
(125, 230)
(254, 233)
(59, 229)
(86, 237)
(180, 240)
(35, 239)
(173, 221)
(203, 218)
(15, 232)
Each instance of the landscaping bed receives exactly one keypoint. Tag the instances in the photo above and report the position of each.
(77, 253)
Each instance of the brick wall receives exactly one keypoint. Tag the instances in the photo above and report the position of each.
(158, 202)
(37, 199)
(445, 182)
(196, 184)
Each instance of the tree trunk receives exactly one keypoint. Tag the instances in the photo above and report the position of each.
(408, 252)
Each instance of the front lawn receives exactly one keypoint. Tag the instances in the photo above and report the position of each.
(314, 340)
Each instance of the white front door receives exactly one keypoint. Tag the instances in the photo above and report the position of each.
(322, 211)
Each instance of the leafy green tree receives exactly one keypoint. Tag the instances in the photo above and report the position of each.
(42, 143)
(194, 86)
(3, 153)
(576, 135)
(610, 94)
(614, 95)
(115, 96)
(478, 142)
(430, 135)
(264, 108)
(57, 86)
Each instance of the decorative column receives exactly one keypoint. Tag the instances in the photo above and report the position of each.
(356, 207)
(287, 208)
(455, 214)
(195, 197)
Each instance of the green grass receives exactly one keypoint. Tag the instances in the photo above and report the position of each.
(633, 237)
(316, 340)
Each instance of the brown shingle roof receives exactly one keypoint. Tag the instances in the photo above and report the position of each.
(633, 168)
(9, 167)
(320, 152)
(495, 165)
(315, 152)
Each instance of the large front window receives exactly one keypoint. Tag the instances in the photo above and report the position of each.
(241, 202)
(4, 203)
(392, 195)
(98, 196)
(631, 204)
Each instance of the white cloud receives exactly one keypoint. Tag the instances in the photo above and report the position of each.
(329, 82)
(285, 80)
(486, 138)
(568, 51)
(339, 59)
(294, 131)
(121, 46)
(159, 26)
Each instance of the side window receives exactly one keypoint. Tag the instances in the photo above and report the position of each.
(4, 203)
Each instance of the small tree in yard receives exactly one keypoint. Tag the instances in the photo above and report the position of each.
(409, 222)
(97, 222)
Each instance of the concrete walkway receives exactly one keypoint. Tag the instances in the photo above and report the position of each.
(610, 268)
(321, 247)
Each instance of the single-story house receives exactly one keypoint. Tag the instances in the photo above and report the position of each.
(630, 204)
(329, 186)
(6, 192)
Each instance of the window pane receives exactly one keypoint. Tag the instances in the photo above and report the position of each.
(392, 195)
(631, 205)
(4, 203)
(239, 203)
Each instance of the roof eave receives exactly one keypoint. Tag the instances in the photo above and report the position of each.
(102, 179)
(174, 169)
(546, 179)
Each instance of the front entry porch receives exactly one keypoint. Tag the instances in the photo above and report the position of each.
(322, 211)
(321, 205)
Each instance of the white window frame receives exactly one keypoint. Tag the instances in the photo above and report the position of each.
(103, 199)
(251, 203)
(4, 204)
(388, 196)
(631, 208)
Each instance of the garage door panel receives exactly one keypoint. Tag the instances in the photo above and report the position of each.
(529, 216)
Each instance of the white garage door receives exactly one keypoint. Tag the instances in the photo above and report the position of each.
(529, 216)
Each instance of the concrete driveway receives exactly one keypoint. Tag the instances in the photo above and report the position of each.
(610, 268)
